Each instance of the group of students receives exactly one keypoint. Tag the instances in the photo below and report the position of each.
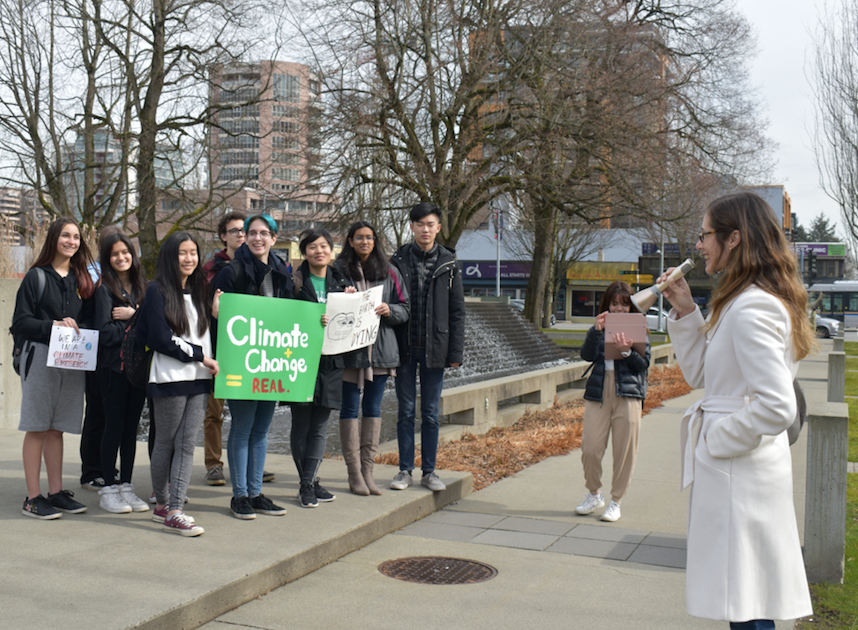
(744, 560)
(175, 315)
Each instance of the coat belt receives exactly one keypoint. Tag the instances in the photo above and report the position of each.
(692, 420)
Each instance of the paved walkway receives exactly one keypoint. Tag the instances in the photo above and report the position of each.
(555, 569)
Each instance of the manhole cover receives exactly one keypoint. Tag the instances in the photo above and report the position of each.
(437, 570)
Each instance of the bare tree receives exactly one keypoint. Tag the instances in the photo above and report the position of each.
(834, 75)
(83, 78)
(57, 104)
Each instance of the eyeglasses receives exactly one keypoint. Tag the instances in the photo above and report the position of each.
(235, 231)
(702, 236)
(361, 239)
(261, 233)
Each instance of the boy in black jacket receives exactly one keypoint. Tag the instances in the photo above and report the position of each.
(433, 338)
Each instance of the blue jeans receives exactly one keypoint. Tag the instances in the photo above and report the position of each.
(372, 392)
(247, 443)
(756, 624)
(431, 382)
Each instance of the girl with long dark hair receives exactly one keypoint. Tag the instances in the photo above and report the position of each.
(116, 301)
(174, 322)
(364, 263)
(55, 292)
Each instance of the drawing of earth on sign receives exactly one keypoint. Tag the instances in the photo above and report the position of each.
(341, 326)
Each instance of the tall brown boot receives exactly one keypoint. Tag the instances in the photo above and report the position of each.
(370, 429)
(350, 442)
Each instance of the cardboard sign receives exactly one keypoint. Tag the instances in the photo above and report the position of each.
(352, 320)
(72, 351)
(268, 348)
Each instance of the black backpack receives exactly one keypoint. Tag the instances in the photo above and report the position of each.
(135, 361)
(18, 341)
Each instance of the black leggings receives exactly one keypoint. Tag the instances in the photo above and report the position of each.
(122, 406)
(308, 439)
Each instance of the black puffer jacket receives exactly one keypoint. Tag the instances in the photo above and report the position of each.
(385, 350)
(329, 382)
(444, 315)
(111, 331)
(629, 373)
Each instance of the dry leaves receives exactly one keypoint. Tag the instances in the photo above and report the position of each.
(538, 435)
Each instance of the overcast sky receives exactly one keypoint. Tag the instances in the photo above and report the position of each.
(784, 35)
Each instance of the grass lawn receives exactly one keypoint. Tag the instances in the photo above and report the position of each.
(836, 605)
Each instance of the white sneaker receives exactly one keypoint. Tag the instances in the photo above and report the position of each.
(590, 503)
(126, 491)
(401, 481)
(612, 513)
(112, 501)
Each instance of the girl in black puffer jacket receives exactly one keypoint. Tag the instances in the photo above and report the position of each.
(614, 398)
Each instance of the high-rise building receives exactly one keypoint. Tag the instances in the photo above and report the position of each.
(265, 141)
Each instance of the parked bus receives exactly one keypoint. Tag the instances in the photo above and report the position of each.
(838, 300)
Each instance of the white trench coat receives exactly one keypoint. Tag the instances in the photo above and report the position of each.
(744, 555)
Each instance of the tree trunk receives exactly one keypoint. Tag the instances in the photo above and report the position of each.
(543, 247)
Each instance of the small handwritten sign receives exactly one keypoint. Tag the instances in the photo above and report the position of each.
(352, 320)
(72, 351)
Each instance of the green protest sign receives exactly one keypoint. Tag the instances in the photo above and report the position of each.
(268, 348)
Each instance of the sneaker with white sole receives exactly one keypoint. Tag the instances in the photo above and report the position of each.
(263, 505)
(64, 502)
(182, 525)
(95, 484)
(241, 508)
(401, 481)
(38, 507)
(590, 503)
(612, 513)
(112, 501)
(159, 516)
(430, 480)
(307, 496)
(126, 490)
(214, 476)
(322, 495)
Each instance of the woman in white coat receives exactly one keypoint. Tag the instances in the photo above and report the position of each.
(744, 556)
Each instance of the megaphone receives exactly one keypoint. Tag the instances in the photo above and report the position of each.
(643, 300)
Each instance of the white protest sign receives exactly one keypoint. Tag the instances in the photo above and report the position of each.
(73, 351)
(352, 320)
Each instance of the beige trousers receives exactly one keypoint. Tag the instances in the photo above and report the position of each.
(621, 418)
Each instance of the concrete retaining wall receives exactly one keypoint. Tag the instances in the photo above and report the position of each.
(10, 383)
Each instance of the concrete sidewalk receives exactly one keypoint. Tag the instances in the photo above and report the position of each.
(555, 569)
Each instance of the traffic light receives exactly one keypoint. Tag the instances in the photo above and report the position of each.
(811, 266)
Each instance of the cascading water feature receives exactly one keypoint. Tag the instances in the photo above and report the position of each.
(498, 342)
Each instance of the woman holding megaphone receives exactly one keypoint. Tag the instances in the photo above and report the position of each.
(744, 562)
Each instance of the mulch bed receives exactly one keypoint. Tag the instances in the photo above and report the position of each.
(536, 436)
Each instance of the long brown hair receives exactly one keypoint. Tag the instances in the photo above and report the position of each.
(108, 274)
(763, 258)
(79, 262)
